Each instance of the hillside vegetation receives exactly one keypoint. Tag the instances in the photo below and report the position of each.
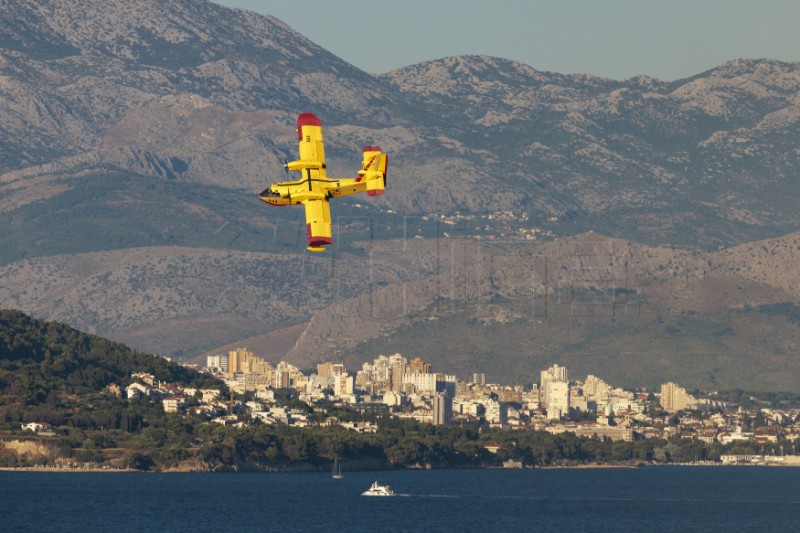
(48, 360)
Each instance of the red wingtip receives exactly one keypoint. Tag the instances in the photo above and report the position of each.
(317, 241)
(306, 119)
(372, 148)
(376, 192)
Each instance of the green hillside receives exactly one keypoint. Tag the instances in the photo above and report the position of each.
(45, 361)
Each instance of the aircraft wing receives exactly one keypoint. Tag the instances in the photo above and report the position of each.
(318, 224)
(310, 148)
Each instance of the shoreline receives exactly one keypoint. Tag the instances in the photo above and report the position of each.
(69, 470)
(64, 469)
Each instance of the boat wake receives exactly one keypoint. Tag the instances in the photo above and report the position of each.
(430, 495)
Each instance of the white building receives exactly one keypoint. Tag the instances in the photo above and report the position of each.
(137, 390)
(394, 398)
(382, 368)
(557, 399)
(737, 435)
(496, 412)
(173, 404)
(422, 383)
(217, 362)
(555, 373)
(36, 427)
(469, 407)
(342, 385)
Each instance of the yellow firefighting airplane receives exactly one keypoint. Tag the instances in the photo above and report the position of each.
(315, 188)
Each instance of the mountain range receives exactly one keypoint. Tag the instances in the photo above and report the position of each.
(136, 134)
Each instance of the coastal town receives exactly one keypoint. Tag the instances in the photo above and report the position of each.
(556, 403)
(409, 389)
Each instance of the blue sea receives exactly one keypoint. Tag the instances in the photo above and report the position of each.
(643, 499)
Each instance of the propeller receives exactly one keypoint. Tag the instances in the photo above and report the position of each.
(285, 168)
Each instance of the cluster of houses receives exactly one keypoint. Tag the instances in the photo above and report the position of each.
(173, 397)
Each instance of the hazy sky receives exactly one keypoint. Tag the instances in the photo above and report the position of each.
(667, 39)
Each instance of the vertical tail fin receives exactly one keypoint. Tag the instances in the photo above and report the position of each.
(374, 168)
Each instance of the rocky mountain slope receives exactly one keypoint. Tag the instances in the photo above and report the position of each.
(632, 312)
(135, 135)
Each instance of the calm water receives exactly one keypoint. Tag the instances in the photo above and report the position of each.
(645, 499)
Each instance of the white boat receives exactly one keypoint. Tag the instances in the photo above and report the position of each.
(378, 490)
(337, 470)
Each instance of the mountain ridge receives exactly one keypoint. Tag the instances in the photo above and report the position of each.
(136, 135)
(577, 145)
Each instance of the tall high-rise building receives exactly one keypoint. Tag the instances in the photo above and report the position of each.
(446, 383)
(479, 379)
(554, 373)
(596, 389)
(556, 399)
(383, 373)
(396, 372)
(674, 398)
(237, 360)
(442, 409)
(243, 361)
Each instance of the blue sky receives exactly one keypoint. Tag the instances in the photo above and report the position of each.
(666, 39)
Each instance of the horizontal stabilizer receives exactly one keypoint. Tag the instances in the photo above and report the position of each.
(374, 170)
